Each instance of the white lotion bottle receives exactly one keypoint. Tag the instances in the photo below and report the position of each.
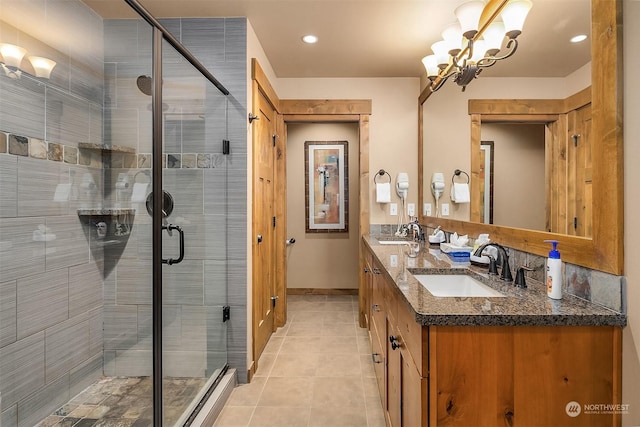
(554, 272)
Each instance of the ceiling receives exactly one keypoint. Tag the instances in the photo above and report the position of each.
(379, 38)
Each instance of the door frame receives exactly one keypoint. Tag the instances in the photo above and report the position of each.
(316, 111)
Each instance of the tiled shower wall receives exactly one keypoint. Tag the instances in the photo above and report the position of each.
(209, 190)
(50, 280)
(52, 292)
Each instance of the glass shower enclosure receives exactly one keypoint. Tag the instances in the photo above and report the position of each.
(113, 222)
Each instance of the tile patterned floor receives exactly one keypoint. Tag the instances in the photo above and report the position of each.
(125, 402)
(316, 371)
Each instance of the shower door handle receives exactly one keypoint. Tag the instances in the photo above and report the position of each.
(170, 228)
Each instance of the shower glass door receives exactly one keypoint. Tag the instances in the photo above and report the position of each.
(194, 240)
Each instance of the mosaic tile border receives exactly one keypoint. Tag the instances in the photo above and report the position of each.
(98, 156)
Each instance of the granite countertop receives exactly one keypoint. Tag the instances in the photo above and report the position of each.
(521, 307)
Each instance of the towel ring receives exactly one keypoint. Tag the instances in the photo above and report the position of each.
(381, 172)
(457, 172)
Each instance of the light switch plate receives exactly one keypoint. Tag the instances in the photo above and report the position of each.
(426, 209)
(445, 209)
(393, 260)
(411, 209)
(411, 262)
(393, 209)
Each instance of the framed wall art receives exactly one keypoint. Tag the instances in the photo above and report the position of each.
(326, 186)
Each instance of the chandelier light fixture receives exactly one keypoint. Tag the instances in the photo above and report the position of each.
(11, 59)
(465, 49)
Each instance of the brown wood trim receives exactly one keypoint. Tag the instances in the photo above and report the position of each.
(326, 106)
(364, 196)
(280, 207)
(617, 373)
(529, 110)
(577, 100)
(251, 371)
(420, 160)
(607, 134)
(516, 106)
(257, 74)
(333, 118)
(476, 129)
(519, 118)
(432, 353)
(321, 291)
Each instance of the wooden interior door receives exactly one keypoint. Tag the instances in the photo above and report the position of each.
(263, 223)
(580, 172)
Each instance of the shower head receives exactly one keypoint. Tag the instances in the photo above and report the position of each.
(144, 84)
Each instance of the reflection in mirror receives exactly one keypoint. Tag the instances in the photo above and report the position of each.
(447, 124)
(518, 170)
(519, 194)
(486, 182)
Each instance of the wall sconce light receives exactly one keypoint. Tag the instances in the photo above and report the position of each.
(12, 56)
(465, 50)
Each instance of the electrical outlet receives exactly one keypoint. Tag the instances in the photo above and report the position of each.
(426, 209)
(445, 209)
(393, 209)
(411, 262)
(411, 209)
(393, 260)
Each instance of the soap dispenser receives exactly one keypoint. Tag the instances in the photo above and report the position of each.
(554, 272)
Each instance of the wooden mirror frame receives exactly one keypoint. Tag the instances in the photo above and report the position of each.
(604, 251)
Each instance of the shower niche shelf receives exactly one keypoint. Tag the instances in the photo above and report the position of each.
(107, 227)
(106, 148)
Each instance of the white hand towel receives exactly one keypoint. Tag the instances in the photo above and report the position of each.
(460, 192)
(139, 193)
(383, 192)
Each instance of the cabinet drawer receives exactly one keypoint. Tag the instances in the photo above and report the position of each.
(414, 337)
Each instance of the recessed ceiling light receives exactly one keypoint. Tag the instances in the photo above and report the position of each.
(310, 38)
(578, 38)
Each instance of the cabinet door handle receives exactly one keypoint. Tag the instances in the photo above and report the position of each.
(376, 271)
(373, 357)
(366, 270)
(375, 307)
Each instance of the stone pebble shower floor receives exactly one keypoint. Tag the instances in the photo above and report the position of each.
(125, 402)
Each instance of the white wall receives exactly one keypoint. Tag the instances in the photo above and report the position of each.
(321, 260)
(393, 143)
(631, 335)
(519, 179)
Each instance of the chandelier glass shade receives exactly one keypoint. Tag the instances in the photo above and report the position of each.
(11, 60)
(465, 49)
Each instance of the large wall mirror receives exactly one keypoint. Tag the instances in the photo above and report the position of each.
(538, 191)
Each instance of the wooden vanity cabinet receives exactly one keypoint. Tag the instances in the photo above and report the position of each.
(523, 375)
(488, 375)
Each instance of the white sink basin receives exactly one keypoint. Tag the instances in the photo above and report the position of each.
(455, 285)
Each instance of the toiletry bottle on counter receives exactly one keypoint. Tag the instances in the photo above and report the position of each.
(554, 272)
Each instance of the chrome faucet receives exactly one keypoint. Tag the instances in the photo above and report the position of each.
(503, 257)
(415, 228)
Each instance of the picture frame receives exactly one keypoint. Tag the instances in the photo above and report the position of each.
(326, 186)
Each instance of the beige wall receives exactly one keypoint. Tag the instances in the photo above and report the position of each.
(447, 127)
(631, 335)
(519, 189)
(393, 128)
(320, 260)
